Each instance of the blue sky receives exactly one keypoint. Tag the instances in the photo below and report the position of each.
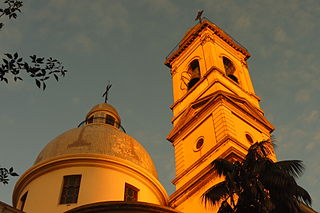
(126, 42)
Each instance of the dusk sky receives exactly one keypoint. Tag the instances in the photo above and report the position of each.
(126, 42)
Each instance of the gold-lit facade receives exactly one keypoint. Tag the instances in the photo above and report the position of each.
(216, 113)
(98, 168)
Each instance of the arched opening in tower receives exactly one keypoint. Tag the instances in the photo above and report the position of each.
(229, 69)
(194, 70)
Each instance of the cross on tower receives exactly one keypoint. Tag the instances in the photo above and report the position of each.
(105, 94)
(199, 16)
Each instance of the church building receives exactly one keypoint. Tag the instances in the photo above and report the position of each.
(98, 168)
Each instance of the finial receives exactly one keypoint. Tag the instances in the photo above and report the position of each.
(105, 94)
(199, 16)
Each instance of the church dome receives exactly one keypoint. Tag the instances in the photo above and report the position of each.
(98, 136)
(96, 162)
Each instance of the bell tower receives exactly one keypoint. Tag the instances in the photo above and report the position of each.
(216, 113)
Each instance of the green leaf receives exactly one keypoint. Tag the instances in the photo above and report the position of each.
(38, 83)
(8, 55)
(5, 61)
(14, 174)
(56, 77)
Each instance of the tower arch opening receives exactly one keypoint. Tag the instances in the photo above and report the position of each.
(229, 68)
(194, 71)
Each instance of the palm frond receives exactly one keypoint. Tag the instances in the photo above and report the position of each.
(225, 208)
(222, 166)
(260, 184)
(278, 181)
(292, 167)
(303, 195)
(216, 193)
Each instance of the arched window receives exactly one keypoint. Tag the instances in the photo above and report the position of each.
(229, 69)
(194, 70)
(90, 120)
(110, 120)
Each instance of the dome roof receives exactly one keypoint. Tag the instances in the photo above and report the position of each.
(98, 138)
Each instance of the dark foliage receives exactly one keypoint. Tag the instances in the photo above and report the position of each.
(40, 69)
(12, 7)
(257, 184)
(5, 173)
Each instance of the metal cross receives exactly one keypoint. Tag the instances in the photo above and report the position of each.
(105, 94)
(199, 16)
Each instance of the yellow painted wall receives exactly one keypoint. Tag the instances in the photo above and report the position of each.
(223, 125)
(98, 183)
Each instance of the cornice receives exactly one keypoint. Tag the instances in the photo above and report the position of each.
(122, 206)
(213, 100)
(194, 32)
(211, 70)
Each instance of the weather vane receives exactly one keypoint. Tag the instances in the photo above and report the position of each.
(199, 16)
(105, 94)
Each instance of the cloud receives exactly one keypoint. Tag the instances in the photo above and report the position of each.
(75, 100)
(280, 35)
(81, 42)
(316, 137)
(310, 146)
(163, 6)
(243, 21)
(302, 96)
(79, 22)
(10, 120)
(312, 116)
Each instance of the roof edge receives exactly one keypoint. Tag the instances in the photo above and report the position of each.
(190, 36)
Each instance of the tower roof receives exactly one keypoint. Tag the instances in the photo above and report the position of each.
(194, 32)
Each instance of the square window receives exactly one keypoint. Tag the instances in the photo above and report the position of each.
(130, 193)
(70, 190)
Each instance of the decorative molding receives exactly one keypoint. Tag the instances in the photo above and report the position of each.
(206, 37)
(194, 33)
(173, 71)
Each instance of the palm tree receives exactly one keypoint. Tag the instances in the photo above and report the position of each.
(257, 184)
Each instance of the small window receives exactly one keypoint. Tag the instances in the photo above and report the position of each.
(23, 200)
(229, 69)
(110, 120)
(198, 144)
(70, 190)
(90, 120)
(249, 139)
(194, 70)
(130, 193)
